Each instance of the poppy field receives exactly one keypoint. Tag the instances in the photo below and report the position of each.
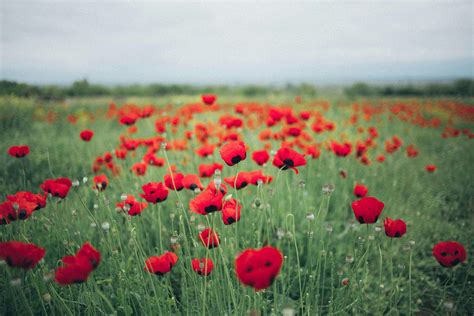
(220, 205)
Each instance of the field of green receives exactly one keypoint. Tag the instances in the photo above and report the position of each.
(332, 263)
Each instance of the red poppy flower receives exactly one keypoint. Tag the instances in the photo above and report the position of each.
(57, 187)
(192, 182)
(77, 268)
(121, 153)
(209, 238)
(430, 168)
(341, 150)
(160, 265)
(131, 206)
(86, 135)
(101, 182)
(21, 255)
(206, 202)
(7, 213)
(215, 190)
(380, 158)
(208, 99)
(175, 182)
(139, 168)
(19, 151)
(154, 192)
(231, 211)
(243, 179)
(394, 228)
(38, 199)
(151, 159)
(233, 152)
(360, 190)
(367, 210)
(260, 157)
(258, 268)
(208, 170)
(202, 266)
(128, 119)
(205, 150)
(24, 208)
(258, 176)
(449, 253)
(287, 158)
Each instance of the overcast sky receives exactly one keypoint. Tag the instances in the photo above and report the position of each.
(58, 42)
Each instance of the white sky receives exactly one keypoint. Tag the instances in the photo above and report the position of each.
(203, 42)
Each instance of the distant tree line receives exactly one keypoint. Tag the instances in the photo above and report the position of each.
(80, 88)
(84, 88)
(460, 87)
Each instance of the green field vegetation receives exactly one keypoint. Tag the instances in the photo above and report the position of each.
(386, 276)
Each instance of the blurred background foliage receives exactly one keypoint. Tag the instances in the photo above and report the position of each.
(80, 88)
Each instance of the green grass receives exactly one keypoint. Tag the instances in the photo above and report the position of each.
(387, 276)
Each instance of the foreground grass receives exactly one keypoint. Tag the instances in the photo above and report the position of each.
(385, 276)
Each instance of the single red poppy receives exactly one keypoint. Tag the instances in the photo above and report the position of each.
(215, 189)
(430, 168)
(131, 206)
(192, 182)
(243, 179)
(341, 150)
(394, 228)
(19, 151)
(287, 158)
(174, 182)
(154, 192)
(205, 150)
(233, 152)
(260, 157)
(449, 253)
(206, 202)
(101, 182)
(139, 168)
(367, 210)
(21, 255)
(360, 190)
(151, 159)
(258, 268)
(208, 170)
(86, 135)
(208, 99)
(128, 119)
(38, 199)
(77, 268)
(7, 213)
(257, 176)
(231, 211)
(57, 187)
(160, 265)
(202, 266)
(209, 238)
